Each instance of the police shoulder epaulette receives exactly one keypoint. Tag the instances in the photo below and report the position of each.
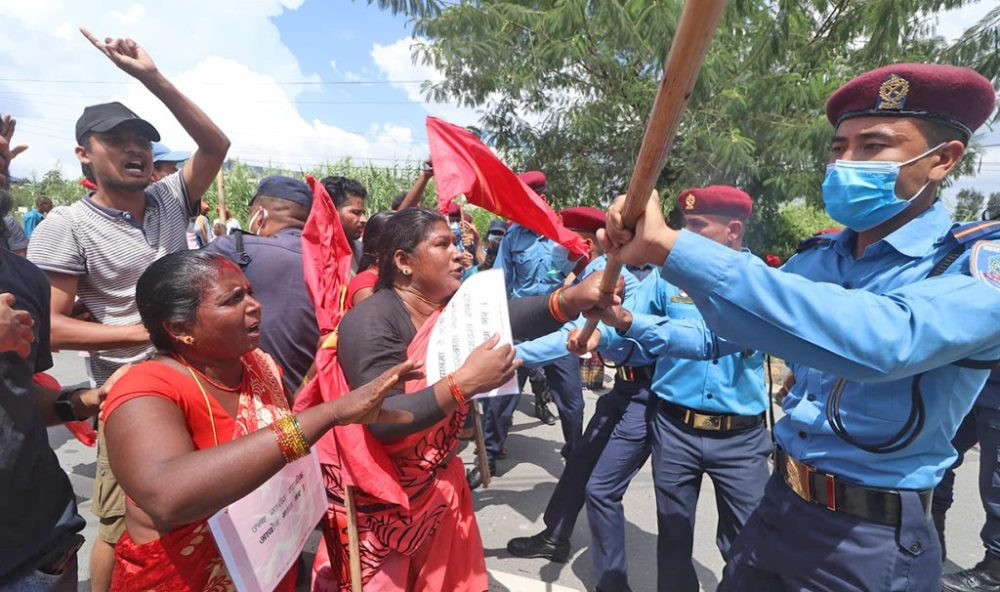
(973, 231)
(814, 241)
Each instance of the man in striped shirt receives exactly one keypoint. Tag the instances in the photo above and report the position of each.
(97, 248)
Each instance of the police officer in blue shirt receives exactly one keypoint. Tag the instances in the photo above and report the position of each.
(603, 462)
(711, 417)
(533, 265)
(981, 426)
(270, 254)
(890, 329)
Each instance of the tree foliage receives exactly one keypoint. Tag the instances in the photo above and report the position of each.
(968, 205)
(566, 85)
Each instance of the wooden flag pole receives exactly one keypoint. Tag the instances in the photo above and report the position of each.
(695, 30)
(477, 426)
(220, 186)
(353, 544)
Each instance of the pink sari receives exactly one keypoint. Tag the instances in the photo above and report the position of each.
(434, 545)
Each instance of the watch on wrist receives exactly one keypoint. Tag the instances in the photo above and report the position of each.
(64, 405)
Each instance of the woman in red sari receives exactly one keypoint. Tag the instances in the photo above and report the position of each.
(433, 545)
(184, 429)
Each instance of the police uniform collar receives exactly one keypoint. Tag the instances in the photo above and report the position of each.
(920, 235)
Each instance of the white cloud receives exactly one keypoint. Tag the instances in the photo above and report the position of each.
(230, 66)
(953, 23)
(396, 63)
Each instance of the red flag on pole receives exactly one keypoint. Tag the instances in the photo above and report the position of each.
(326, 261)
(464, 165)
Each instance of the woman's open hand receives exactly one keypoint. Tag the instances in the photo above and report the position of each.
(364, 404)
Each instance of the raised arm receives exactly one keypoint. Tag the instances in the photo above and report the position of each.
(201, 168)
(416, 192)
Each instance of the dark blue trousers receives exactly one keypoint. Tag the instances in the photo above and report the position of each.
(563, 377)
(628, 446)
(981, 425)
(790, 545)
(736, 462)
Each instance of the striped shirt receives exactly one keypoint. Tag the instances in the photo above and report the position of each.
(108, 250)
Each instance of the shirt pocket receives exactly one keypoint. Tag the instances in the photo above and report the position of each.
(890, 401)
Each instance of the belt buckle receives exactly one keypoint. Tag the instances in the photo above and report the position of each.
(797, 478)
(706, 422)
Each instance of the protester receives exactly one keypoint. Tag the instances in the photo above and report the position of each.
(420, 269)
(411, 198)
(201, 229)
(36, 214)
(349, 198)
(362, 285)
(98, 247)
(200, 404)
(880, 386)
(40, 536)
(270, 254)
(226, 227)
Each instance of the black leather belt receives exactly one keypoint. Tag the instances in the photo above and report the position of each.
(874, 505)
(634, 373)
(714, 422)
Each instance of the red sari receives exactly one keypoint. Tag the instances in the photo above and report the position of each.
(434, 545)
(186, 559)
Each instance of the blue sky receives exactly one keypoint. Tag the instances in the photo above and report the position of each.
(281, 77)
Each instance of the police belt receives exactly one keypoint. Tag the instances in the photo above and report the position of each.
(634, 373)
(714, 422)
(873, 505)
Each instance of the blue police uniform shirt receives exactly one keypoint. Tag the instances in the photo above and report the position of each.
(730, 384)
(876, 321)
(526, 260)
(548, 348)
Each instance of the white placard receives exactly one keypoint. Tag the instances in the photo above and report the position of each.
(261, 536)
(475, 313)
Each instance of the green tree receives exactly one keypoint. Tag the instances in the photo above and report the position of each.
(993, 206)
(968, 204)
(566, 86)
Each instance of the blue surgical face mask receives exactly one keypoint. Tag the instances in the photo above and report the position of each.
(861, 194)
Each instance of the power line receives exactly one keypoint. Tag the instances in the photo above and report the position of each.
(227, 82)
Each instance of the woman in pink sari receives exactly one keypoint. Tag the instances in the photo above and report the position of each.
(431, 543)
(184, 430)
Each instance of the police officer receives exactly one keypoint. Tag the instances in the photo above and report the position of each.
(982, 426)
(710, 417)
(270, 253)
(533, 265)
(613, 448)
(887, 360)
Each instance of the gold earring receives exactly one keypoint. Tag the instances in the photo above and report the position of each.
(187, 339)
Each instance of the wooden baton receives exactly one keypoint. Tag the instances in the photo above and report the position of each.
(353, 543)
(695, 30)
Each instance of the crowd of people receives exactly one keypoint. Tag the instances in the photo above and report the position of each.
(201, 335)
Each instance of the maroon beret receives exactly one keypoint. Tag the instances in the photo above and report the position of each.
(722, 200)
(582, 218)
(958, 97)
(534, 179)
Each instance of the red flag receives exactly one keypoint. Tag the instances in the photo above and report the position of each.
(326, 261)
(464, 165)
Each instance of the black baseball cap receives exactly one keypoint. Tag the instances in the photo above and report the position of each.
(107, 116)
(286, 188)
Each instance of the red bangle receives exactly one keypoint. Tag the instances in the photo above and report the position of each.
(554, 309)
(456, 392)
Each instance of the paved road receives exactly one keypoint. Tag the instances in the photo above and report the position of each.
(513, 506)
